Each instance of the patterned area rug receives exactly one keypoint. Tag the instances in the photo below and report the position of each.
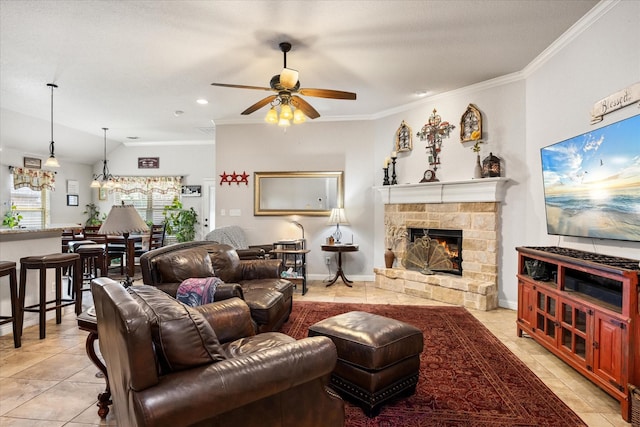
(467, 376)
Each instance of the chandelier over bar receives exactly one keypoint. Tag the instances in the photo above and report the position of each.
(105, 179)
(52, 162)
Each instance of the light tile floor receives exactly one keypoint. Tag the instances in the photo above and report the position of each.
(51, 382)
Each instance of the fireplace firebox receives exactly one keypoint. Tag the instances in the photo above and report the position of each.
(451, 241)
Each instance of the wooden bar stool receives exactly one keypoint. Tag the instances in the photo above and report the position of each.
(59, 262)
(92, 257)
(8, 268)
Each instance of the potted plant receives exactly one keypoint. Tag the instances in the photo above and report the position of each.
(180, 222)
(93, 212)
(12, 217)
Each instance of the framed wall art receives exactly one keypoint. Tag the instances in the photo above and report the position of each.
(102, 193)
(32, 163)
(72, 200)
(471, 124)
(403, 138)
(191, 191)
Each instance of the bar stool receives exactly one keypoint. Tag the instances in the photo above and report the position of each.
(41, 263)
(92, 257)
(8, 268)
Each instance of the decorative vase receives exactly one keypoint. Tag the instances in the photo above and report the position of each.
(389, 257)
(477, 171)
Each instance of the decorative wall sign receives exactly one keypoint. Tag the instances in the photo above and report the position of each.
(234, 177)
(32, 163)
(615, 102)
(148, 162)
(471, 124)
(191, 191)
(403, 138)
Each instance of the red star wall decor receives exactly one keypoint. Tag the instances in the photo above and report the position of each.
(234, 177)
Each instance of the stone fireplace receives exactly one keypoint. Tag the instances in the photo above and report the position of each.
(450, 240)
(472, 207)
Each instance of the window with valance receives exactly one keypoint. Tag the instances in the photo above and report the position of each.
(35, 179)
(149, 195)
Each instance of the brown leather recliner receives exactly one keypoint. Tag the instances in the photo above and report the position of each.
(257, 281)
(173, 365)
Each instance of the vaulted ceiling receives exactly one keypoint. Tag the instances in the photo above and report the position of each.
(131, 65)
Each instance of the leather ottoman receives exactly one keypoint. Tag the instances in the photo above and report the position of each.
(378, 358)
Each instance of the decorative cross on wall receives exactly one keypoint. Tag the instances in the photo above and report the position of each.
(433, 132)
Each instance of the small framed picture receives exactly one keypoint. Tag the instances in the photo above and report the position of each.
(191, 191)
(32, 163)
(102, 193)
(72, 200)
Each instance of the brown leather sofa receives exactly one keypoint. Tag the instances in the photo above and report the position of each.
(173, 365)
(257, 281)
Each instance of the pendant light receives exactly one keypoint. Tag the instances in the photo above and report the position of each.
(105, 179)
(52, 162)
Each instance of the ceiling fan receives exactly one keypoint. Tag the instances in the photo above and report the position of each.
(287, 88)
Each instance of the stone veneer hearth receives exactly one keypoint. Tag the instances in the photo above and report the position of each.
(475, 213)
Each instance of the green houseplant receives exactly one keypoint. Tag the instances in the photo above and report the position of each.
(93, 213)
(180, 222)
(12, 217)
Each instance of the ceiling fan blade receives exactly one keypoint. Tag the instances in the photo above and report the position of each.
(258, 105)
(327, 93)
(241, 86)
(288, 78)
(306, 108)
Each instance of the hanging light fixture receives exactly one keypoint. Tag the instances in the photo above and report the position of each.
(105, 179)
(52, 162)
(288, 112)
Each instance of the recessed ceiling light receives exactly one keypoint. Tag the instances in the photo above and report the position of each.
(202, 101)
(178, 113)
(133, 137)
(421, 93)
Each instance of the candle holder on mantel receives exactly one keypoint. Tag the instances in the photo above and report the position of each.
(385, 181)
(394, 180)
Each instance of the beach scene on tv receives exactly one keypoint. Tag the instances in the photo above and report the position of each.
(592, 183)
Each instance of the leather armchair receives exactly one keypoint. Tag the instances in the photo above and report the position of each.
(257, 281)
(173, 365)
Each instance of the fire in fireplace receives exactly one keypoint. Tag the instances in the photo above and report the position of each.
(450, 240)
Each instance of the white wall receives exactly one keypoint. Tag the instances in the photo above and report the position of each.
(312, 146)
(603, 59)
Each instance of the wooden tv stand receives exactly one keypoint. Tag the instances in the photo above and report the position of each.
(583, 307)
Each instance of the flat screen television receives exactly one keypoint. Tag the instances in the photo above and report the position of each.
(592, 183)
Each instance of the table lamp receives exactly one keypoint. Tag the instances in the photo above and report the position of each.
(124, 219)
(337, 217)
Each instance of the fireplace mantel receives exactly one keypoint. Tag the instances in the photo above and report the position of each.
(472, 190)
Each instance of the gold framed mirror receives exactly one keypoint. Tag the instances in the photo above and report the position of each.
(297, 193)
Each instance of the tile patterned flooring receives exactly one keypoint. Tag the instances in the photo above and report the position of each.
(51, 382)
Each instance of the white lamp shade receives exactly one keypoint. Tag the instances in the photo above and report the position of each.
(52, 162)
(338, 216)
(285, 112)
(288, 78)
(298, 116)
(272, 116)
(123, 219)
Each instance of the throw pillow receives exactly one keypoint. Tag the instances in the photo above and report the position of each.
(182, 337)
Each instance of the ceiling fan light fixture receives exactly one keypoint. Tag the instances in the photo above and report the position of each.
(298, 116)
(284, 123)
(286, 112)
(272, 116)
(288, 78)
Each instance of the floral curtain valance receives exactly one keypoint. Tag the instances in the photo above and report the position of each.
(148, 184)
(35, 179)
